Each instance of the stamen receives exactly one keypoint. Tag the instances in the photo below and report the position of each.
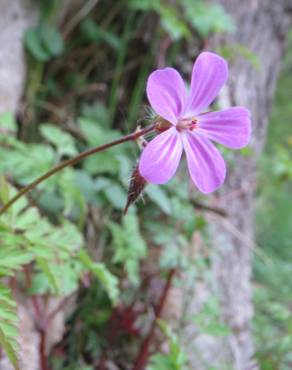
(187, 124)
(194, 125)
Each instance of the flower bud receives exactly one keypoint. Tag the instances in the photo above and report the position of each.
(136, 187)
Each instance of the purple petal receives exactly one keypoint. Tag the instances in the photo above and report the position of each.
(205, 163)
(160, 158)
(166, 93)
(230, 127)
(210, 73)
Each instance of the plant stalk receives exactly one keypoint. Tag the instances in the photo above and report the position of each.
(133, 136)
(143, 355)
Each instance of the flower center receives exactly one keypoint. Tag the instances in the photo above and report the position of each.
(187, 124)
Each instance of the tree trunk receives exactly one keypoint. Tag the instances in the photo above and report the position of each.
(15, 17)
(261, 27)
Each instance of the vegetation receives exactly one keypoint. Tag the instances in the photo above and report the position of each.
(273, 289)
(69, 237)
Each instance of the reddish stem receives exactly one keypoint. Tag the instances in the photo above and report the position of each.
(42, 349)
(142, 358)
(41, 324)
(34, 298)
(59, 307)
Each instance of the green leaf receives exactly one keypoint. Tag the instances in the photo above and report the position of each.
(174, 26)
(145, 5)
(8, 122)
(61, 278)
(34, 45)
(44, 42)
(129, 246)
(29, 236)
(209, 321)
(231, 50)
(96, 113)
(51, 39)
(116, 195)
(104, 162)
(159, 196)
(8, 326)
(44, 265)
(28, 162)
(175, 358)
(170, 17)
(85, 184)
(108, 280)
(96, 34)
(11, 259)
(9, 217)
(207, 18)
(61, 140)
(4, 190)
(95, 133)
(8, 348)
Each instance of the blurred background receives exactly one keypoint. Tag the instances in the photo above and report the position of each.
(183, 281)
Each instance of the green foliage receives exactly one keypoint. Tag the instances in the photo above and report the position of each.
(207, 18)
(54, 249)
(272, 296)
(25, 161)
(209, 321)
(8, 326)
(27, 238)
(273, 323)
(95, 134)
(63, 142)
(174, 359)
(230, 51)
(44, 42)
(179, 19)
(108, 280)
(172, 24)
(8, 122)
(92, 31)
(22, 243)
(174, 202)
(159, 197)
(104, 63)
(129, 246)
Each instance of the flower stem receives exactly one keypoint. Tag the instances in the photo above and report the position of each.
(133, 136)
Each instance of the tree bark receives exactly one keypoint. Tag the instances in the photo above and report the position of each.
(15, 17)
(261, 27)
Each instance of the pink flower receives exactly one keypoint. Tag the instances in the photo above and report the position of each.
(191, 129)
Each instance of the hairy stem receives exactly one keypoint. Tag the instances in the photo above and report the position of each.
(72, 161)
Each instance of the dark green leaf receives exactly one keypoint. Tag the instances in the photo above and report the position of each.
(34, 45)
